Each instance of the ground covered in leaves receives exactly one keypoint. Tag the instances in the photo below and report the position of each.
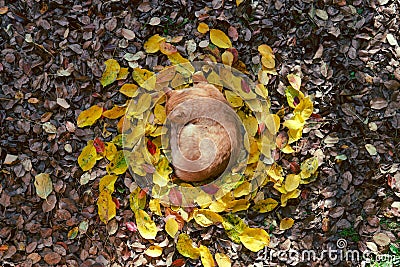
(52, 58)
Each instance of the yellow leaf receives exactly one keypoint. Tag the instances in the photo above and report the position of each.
(265, 205)
(304, 108)
(265, 50)
(144, 78)
(286, 223)
(143, 104)
(106, 206)
(123, 74)
(182, 64)
(238, 2)
(263, 77)
(254, 239)
(153, 44)
(171, 226)
(160, 114)
(202, 28)
(235, 100)
(107, 183)
(294, 80)
(129, 89)
(295, 134)
(268, 61)
(292, 181)
(153, 251)
(272, 122)
(163, 170)
(214, 79)
(234, 226)
(146, 227)
(88, 156)
(185, 247)
(118, 164)
(227, 58)
(206, 217)
(110, 150)
(137, 200)
(154, 206)
(308, 167)
(293, 96)
(206, 258)
(220, 39)
(297, 122)
(261, 90)
(275, 172)
(115, 112)
(288, 149)
(43, 185)
(285, 197)
(242, 190)
(89, 116)
(238, 205)
(222, 260)
(110, 73)
(251, 125)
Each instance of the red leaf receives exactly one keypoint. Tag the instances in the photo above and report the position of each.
(116, 201)
(131, 226)
(210, 189)
(151, 147)
(261, 128)
(178, 262)
(142, 193)
(99, 145)
(245, 86)
(175, 197)
(294, 167)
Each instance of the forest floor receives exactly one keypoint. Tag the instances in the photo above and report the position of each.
(52, 55)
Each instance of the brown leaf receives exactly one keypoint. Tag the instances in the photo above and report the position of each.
(52, 258)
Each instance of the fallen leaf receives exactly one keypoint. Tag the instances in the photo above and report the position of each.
(167, 48)
(371, 149)
(171, 226)
(99, 145)
(286, 223)
(88, 157)
(381, 239)
(185, 247)
(118, 164)
(227, 58)
(294, 80)
(378, 103)
(52, 258)
(222, 260)
(129, 89)
(10, 159)
(107, 183)
(152, 45)
(220, 39)
(206, 217)
(153, 251)
(234, 226)
(62, 102)
(123, 74)
(73, 233)
(265, 205)
(43, 185)
(106, 207)
(128, 34)
(90, 116)
(146, 227)
(110, 73)
(144, 78)
(115, 112)
(202, 28)
(206, 257)
(292, 181)
(254, 239)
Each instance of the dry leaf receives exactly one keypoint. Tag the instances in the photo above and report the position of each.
(129, 89)
(88, 157)
(185, 247)
(144, 78)
(206, 217)
(371, 149)
(254, 239)
(292, 181)
(154, 251)
(43, 185)
(381, 239)
(153, 44)
(62, 102)
(146, 227)
(171, 226)
(111, 72)
(106, 206)
(294, 80)
(115, 112)
(118, 164)
(128, 34)
(206, 258)
(90, 116)
(286, 223)
(265, 205)
(222, 260)
(202, 28)
(220, 39)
